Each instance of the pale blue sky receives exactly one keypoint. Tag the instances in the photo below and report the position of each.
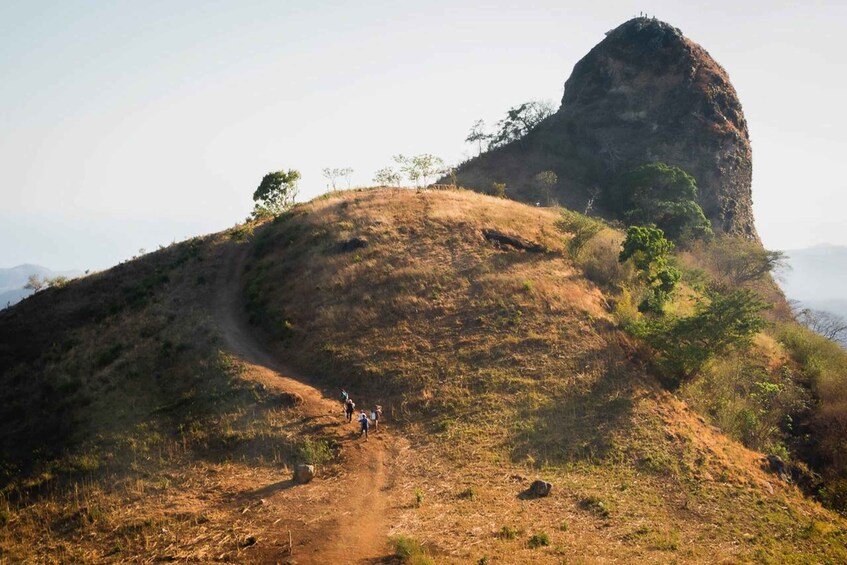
(131, 124)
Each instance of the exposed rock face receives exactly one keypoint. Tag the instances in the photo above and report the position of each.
(644, 94)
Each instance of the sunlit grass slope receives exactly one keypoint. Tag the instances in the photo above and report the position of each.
(507, 361)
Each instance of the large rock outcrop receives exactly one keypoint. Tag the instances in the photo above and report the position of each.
(646, 93)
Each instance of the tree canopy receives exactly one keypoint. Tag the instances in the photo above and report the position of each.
(276, 193)
(663, 195)
(648, 249)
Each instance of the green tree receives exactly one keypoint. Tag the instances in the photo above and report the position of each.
(276, 193)
(332, 175)
(36, 283)
(544, 183)
(648, 250)
(420, 167)
(478, 135)
(387, 176)
(663, 195)
(684, 345)
(498, 189)
(519, 121)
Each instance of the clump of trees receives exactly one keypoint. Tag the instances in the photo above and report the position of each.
(419, 169)
(662, 195)
(826, 324)
(388, 176)
(36, 283)
(276, 193)
(518, 122)
(333, 174)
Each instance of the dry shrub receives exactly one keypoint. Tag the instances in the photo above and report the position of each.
(599, 260)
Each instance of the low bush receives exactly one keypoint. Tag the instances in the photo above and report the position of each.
(507, 532)
(540, 539)
(409, 550)
(315, 452)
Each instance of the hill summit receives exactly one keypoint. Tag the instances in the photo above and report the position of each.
(644, 94)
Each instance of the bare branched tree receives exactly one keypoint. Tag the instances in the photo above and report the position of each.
(829, 325)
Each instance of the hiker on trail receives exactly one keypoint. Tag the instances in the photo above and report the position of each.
(344, 396)
(349, 406)
(365, 422)
(376, 414)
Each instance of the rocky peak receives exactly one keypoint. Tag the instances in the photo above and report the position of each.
(646, 93)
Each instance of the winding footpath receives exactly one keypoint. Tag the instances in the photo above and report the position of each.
(344, 518)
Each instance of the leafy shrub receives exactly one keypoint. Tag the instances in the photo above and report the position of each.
(419, 498)
(409, 550)
(543, 185)
(507, 532)
(749, 401)
(540, 539)
(582, 227)
(498, 189)
(315, 452)
(595, 505)
(276, 193)
(684, 345)
(241, 233)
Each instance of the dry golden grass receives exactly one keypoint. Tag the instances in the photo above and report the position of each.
(499, 366)
(503, 362)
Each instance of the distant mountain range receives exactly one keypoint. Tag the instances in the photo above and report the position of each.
(12, 281)
(817, 278)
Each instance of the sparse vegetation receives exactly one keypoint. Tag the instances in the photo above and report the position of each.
(420, 168)
(497, 363)
(541, 539)
(387, 176)
(582, 228)
(508, 532)
(333, 174)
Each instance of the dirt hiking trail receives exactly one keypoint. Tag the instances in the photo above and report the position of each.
(341, 518)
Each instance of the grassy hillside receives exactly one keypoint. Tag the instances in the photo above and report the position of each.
(501, 358)
(150, 437)
(123, 412)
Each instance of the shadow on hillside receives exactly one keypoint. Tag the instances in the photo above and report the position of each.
(266, 490)
(580, 426)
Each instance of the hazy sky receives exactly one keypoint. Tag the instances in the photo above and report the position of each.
(131, 124)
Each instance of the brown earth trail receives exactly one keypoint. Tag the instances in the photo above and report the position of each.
(341, 518)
